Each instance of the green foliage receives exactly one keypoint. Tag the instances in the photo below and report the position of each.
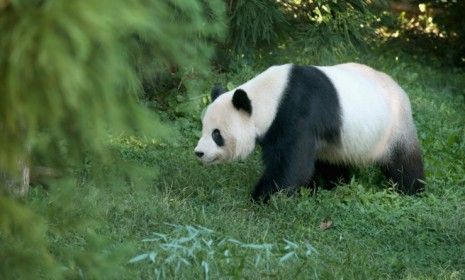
(254, 23)
(178, 48)
(71, 71)
(331, 28)
(78, 246)
(60, 239)
(434, 29)
(199, 251)
(71, 74)
(322, 10)
(23, 248)
(450, 20)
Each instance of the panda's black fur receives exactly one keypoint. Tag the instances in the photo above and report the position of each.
(289, 145)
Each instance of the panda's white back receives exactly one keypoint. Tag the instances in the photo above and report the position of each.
(372, 113)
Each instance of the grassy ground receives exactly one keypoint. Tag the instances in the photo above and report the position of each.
(192, 221)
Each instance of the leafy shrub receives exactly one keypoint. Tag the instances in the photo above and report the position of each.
(433, 29)
(331, 27)
(72, 70)
(450, 19)
(322, 26)
(254, 23)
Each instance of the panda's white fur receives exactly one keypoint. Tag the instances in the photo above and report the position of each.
(265, 92)
(236, 128)
(374, 116)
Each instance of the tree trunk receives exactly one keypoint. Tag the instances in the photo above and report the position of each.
(17, 184)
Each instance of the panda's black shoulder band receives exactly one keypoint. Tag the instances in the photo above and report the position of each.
(241, 101)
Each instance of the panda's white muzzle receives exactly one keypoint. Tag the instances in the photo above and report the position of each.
(207, 151)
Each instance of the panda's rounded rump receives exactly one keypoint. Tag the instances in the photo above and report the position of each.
(373, 116)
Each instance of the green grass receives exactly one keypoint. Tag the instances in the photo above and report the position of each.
(193, 221)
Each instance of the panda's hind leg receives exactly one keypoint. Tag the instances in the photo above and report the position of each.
(328, 175)
(405, 168)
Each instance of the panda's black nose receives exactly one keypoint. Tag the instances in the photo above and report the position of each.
(199, 154)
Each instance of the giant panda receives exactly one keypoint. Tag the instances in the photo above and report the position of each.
(315, 120)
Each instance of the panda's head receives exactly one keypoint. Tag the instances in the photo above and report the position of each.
(228, 131)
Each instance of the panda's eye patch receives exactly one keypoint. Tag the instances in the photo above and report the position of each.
(216, 135)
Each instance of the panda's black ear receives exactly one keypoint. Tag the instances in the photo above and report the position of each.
(217, 91)
(241, 101)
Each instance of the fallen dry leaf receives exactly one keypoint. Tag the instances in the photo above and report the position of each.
(327, 223)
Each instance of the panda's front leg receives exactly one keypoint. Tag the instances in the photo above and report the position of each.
(287, 166)
(264, 188)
